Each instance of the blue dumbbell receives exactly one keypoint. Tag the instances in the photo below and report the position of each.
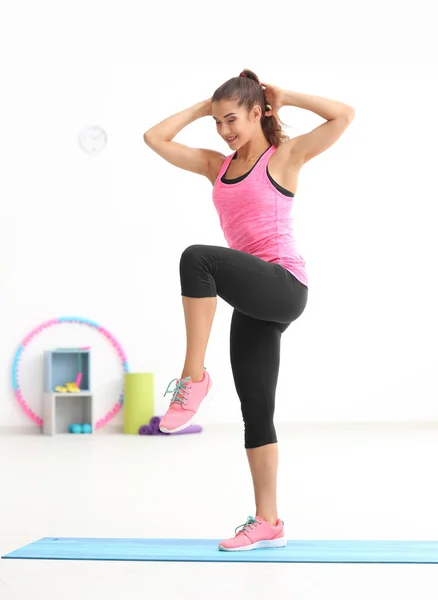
(75, 428)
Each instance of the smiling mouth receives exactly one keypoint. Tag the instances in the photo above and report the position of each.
(229, 140)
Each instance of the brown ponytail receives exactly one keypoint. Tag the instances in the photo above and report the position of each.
(248, 92)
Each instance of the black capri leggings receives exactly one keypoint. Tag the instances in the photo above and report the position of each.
(266, 298)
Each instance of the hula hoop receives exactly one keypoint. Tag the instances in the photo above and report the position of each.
(61, 320)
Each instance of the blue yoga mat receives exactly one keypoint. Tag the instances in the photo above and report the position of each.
(205, 550)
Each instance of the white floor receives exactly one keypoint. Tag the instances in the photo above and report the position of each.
(337, 482)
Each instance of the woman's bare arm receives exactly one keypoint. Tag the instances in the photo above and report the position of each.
(197, 160)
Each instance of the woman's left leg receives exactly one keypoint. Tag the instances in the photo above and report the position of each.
(254, 287)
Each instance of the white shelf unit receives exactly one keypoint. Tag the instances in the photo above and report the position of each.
(62, 409)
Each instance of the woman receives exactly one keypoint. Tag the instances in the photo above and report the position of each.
(261, 274)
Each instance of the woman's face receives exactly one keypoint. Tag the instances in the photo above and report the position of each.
(233, 123)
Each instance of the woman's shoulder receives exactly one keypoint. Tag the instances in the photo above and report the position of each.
(217, 160)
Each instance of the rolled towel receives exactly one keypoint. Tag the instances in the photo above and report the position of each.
(153, 428)
(154, 425)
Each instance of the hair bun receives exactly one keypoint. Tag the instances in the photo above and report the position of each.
(250, 75)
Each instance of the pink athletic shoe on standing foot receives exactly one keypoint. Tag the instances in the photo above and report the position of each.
(186, 400)
(255, 533)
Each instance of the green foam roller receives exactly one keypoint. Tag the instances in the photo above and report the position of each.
(139, 401)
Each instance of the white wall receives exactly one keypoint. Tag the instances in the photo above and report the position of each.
(101, 237)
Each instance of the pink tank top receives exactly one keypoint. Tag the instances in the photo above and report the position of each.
(256, 217)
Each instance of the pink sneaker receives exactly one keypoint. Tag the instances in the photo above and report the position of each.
(186, 400)
(255, 533)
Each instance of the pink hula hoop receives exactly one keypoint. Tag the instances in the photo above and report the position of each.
(16, 386)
